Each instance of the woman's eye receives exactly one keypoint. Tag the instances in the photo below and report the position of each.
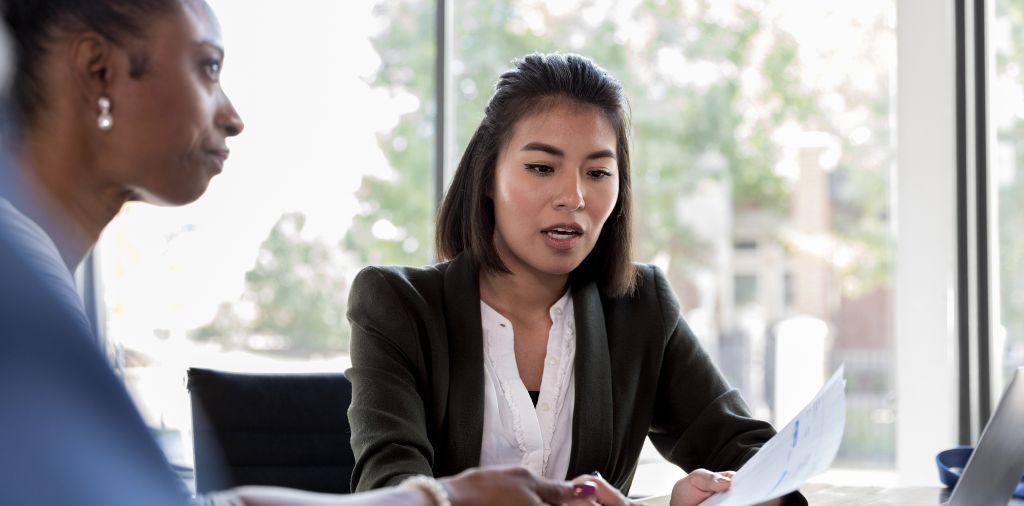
(599, 173)
(212, 68)
(539, 168)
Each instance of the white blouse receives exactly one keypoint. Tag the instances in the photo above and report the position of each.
(514, 432)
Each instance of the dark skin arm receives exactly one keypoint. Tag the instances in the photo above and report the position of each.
(499, 486)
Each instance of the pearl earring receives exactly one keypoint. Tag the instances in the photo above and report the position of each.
(105, 121)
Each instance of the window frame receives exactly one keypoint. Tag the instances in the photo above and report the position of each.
(941, 281)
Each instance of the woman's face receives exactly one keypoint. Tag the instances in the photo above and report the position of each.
(171, 124)
(556, 182)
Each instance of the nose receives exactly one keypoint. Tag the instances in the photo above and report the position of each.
(227, 118)
(570, 193)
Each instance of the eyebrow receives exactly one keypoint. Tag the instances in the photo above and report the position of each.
(212, 45)
(551, 150)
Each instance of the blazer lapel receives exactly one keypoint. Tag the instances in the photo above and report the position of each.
(466, 361)
(592, 417)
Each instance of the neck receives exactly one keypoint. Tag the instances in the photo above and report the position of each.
(521, 293)
(63, 194)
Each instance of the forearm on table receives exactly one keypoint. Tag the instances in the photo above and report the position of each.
(275, 496)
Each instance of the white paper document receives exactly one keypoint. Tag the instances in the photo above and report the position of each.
(802, 449)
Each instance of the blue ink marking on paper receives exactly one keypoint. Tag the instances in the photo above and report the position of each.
(780, 480)
(796, 433)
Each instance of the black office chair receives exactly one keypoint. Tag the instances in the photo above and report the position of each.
(288, 430)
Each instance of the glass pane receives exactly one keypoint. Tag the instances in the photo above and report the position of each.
(331, 174)
(762, 152)
(1006, 97)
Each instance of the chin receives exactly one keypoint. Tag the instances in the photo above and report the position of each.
(560, 268)
(174, 197)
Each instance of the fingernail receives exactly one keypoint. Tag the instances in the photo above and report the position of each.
(585, 489)
(596, 474)
(722, 479)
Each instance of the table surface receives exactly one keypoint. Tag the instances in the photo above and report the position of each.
(837, 495)
(819, 494)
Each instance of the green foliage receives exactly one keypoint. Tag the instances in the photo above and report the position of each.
(687, 130)
(297, 293)
(1011, 195)
(683, 134)
(404, 199)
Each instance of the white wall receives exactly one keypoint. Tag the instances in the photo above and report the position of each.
(925, 233)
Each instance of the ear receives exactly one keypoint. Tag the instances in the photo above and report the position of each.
(94, 63)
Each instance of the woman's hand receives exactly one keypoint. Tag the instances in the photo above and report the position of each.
(697, 486)
(605, 494)
(501, 486)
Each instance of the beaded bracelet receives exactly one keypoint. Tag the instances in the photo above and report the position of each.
(432, 487)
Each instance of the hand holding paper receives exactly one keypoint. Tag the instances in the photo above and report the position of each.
(802, 449)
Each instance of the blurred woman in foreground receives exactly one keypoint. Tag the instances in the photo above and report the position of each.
(117, 101)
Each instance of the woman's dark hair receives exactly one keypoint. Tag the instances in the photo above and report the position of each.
(465, 221)
(33, 24)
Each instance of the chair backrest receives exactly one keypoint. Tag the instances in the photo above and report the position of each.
(288, 430)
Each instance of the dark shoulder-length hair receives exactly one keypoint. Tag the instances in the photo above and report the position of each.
(465, 221)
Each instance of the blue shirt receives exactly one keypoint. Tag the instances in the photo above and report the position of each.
(69, 432)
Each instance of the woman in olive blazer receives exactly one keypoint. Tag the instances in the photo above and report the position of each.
(538, 217)
(417, 404)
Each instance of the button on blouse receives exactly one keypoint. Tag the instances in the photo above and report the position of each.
(515, 432)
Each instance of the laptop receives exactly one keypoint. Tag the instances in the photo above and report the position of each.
(995, 467)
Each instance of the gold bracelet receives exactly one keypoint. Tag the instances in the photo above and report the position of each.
(432, 487)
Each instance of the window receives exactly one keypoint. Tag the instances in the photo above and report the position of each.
(744, 289)
(1007, 175)
(327, 178)
(762, 146)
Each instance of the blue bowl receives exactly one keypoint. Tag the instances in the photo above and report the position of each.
(952, 462)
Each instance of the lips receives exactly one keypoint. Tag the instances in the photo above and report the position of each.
(563, 232)
(562, 236)
(220, 154)
(217, 156)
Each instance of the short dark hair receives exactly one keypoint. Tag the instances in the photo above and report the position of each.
(34, 23)
(465, 221)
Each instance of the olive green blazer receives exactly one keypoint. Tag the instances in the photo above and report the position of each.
(418, 376)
